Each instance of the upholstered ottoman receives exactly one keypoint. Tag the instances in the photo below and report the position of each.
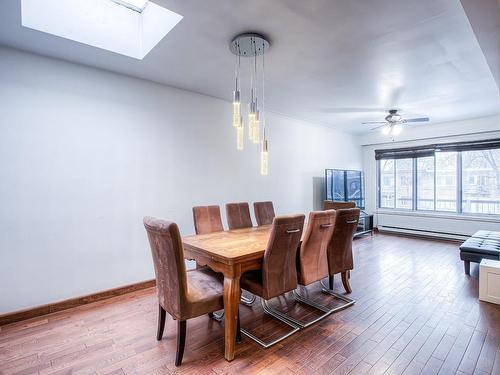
(487, 234)
(482, 245)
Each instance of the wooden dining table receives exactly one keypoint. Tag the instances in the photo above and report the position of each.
(232, 253)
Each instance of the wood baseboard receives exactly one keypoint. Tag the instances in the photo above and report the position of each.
(34, 312)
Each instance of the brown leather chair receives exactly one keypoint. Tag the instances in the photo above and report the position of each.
(238, 215)
(312, 262)
(184, 295)
(340, 248)
(207, 219)
(264, 212)
(338, 205)
(278, 274)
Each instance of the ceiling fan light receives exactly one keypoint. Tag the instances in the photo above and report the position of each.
(396, 129)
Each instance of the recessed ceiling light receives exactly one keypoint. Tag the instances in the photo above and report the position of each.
(137, 5)
(133, 29)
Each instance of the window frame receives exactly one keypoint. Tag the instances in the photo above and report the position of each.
(459, 189)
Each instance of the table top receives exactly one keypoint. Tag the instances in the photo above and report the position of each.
(232, 245)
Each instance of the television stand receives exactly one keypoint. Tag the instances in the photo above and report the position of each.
(365, 224)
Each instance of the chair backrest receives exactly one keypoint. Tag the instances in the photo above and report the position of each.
(264, 212)
(312, 256)
(238, 215)
(207, 219)
(338, 205)
(168, 259)
(279, 272)
(340, 247)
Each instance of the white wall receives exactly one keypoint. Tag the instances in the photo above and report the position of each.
(85, 154)
(475, 129)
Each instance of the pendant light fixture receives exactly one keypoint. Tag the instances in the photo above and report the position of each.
(251, 45)
(264, 154)
(236, 95)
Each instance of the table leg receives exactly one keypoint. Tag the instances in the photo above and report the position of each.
(231, 304)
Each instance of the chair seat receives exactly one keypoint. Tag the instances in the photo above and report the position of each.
(481, 246)
(252, 282)
(205, 291)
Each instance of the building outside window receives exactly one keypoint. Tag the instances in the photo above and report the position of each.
(463, 181)
(481, 182)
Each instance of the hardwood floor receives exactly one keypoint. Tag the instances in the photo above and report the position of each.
(416, 313)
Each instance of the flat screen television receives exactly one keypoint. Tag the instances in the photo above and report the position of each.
(345, 185)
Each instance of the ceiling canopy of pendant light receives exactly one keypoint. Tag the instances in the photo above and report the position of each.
(249, 45)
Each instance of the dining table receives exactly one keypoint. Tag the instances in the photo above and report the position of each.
(231, 253)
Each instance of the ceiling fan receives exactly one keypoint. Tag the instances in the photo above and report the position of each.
(393, 123)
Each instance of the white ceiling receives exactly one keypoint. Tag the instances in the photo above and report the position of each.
(333, 62)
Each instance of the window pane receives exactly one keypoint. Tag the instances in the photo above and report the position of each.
(446, 181)
(481, 182)
(425, 183)
(404, 183)
(387, 183)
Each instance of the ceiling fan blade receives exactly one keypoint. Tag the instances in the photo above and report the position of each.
(378, 127)
(374, 122)
(420, 119)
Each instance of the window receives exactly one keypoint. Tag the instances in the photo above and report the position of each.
(481, 182)
(425, 183)
(404, 183)
(396, 184)
(387, 184)
(446, 179)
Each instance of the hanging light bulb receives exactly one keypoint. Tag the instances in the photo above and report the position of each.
(252, 112)
(240, 135)
(396, 129)
(264, 159)
(236, 109)
(251, 119)
(236, 93)
(386, 129)
(256, 129)
(264, 153)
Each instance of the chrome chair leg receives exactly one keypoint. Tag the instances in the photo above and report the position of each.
(349, 301)
(308, 302)
(277, 315)
(247, 300)
(219, 317)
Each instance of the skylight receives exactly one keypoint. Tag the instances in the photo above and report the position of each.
(128, 27)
